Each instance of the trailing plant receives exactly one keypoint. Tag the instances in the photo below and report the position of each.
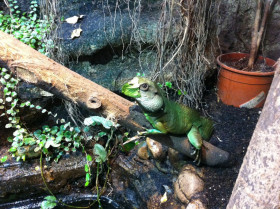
(26, 27)
(55, 141)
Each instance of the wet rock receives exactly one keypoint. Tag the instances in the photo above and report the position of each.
(158, 151)
(188, 185)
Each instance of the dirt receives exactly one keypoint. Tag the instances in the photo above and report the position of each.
(242, 64)
(233, 130)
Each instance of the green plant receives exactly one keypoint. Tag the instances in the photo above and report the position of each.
(27, 27)
(53, 142)
(169, 85)
(49, 202)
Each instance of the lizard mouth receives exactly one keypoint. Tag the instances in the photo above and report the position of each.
(131, 90)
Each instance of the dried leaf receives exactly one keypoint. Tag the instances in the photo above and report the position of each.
(72, 20)
(76, 33)
(163, 199)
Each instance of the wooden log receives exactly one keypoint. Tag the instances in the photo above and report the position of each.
(258, 181)
(34, 67)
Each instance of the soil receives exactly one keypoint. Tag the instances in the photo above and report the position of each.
(242, 64)
(233, 130)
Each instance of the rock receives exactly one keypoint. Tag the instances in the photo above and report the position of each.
(157, 150)
(196, 204)
(142, 151)
(188, 184)
(116, 71)
(138, 181)
(107, 24)
(177, 159)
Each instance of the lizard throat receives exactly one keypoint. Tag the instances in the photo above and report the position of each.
(151, 104)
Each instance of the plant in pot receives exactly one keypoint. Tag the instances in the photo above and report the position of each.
(244, 79)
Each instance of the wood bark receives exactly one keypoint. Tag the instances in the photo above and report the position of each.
(258, 32)
(34, 67)
(258, 182)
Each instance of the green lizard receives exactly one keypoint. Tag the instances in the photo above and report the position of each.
(167, 116)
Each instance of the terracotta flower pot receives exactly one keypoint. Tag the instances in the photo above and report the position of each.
(241, 88)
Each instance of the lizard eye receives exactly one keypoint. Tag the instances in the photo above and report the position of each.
(144, 87)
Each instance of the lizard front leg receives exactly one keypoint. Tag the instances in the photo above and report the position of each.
(196, 141)
(158, 129)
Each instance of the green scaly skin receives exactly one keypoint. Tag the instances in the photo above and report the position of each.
(167, 116)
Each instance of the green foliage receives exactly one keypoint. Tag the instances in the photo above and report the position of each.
(129, 146)
(168, 85)
(49, 202)
(54, 141)
(26, 27)
(100, 153)
(140, 75)
(97, 120)
(3, 159)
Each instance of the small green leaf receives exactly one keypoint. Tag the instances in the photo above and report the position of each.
(50, 198)
(89, 158)
(13, 149)
(7, 76)
(13, 94)
(4, 159)
(87, 177)
(37, 133)
(49, 202)
(10, 139)
(99, 120)
(54, 130)
(179, 92)
(9, 125)
(86, 129)
(67, 134)
(46, 128)
(9, 99)
(101, 134)
(86, 168)
(168, 84)
(22, 104)
(87, 183)
(77, 129)
(100, 152)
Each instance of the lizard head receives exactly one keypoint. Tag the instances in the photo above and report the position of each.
(146, 92)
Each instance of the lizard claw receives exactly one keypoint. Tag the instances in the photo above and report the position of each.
(197, 159)
(197, 154)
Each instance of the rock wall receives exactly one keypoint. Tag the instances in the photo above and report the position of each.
(115, 33)
(235, 23)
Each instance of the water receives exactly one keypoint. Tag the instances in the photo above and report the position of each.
(74, 199)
